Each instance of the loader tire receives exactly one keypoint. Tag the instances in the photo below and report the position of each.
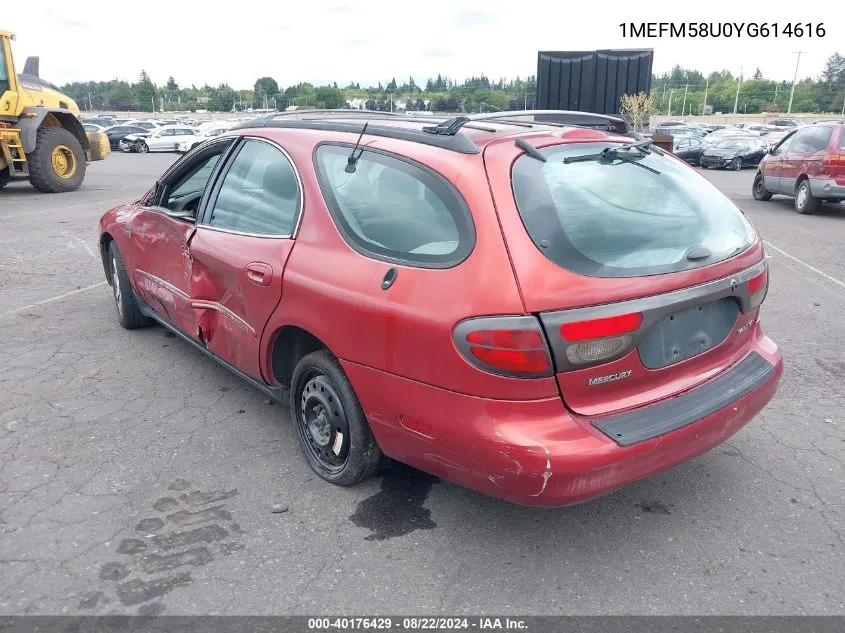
(4, 177)
(58, 162)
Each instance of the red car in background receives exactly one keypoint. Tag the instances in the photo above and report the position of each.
(808, 165)
(542, 311)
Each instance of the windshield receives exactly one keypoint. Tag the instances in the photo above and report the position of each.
(731, 143)
(624, 218)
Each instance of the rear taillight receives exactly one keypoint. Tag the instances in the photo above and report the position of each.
(834, 164)
(510, 346)
(758, 286)
(598, 340)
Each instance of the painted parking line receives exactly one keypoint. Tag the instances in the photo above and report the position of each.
(820, 273)
(52, 299)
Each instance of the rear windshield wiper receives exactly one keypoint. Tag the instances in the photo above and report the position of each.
(621, 153)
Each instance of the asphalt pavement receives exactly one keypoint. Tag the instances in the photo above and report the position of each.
(137, 476)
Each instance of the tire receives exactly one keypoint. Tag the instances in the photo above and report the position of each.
(703, 166)
(128, 313)
(57, 164)
(737, 165)
(4, 177)
(333, 431)
(141, 147)
(758, 190)
(805, 203)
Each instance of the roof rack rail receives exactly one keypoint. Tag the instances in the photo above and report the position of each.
(452, 126)
(457, 142)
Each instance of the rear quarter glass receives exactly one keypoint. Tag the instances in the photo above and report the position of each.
(613, 218)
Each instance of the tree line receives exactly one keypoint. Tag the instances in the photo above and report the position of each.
(679, 92)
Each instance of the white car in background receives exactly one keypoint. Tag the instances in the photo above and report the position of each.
(149, 125)
(161, 139)
(202, 135)
(92, 127)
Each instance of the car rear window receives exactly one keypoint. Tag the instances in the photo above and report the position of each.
(619, 218)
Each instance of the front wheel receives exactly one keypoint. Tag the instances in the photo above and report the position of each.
(333, 431)
(5, 177)
(129, 314)
(57, 164)
(805, 203)
(141, 147)
(737, 164)
(758, 189)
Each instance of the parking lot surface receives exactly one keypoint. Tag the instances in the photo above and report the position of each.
(139, 477)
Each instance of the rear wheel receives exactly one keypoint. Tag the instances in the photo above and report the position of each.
(333, 431)
(805, 203)
(758, 189)
(57, 164)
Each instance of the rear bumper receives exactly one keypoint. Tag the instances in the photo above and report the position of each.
(536, 452)
(826, 188)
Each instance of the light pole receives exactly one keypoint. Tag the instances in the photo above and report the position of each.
(794, 79)
(739, 83)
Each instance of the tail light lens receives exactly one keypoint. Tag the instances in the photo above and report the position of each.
(834, 164)
(512, 346)
(758, 286)
(598, 340)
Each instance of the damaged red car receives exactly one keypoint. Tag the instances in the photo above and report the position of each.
(540, 306)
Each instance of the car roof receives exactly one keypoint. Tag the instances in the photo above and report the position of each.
(464, 134)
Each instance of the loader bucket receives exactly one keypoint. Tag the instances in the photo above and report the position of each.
(99, 143)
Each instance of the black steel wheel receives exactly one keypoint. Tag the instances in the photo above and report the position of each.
(333, 431)
(758, 189)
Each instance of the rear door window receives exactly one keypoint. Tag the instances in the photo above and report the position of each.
(605, 217)
(821, 138)
(394, 209)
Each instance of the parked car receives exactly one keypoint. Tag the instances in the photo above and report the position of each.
(101, 121)
(718, 135)
(92, 127)
(147, 125)
(607, 326)
(773, 138)
(202, 135)
(678, 128)
(735, 152)
(808, 165)
(117, 134)
(689, 149)
(760, 128)
(162, 139)
(787, 124)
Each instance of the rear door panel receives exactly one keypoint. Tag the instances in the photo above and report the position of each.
(230, 295)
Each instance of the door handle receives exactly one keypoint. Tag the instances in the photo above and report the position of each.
(259, 273)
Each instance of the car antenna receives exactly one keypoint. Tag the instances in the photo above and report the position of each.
(353, 159)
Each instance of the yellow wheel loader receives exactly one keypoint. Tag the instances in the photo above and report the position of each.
(41, 134)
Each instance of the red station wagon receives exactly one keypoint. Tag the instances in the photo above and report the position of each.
(540, 310)
(808, 165)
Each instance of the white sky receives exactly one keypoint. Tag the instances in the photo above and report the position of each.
(369, 41)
